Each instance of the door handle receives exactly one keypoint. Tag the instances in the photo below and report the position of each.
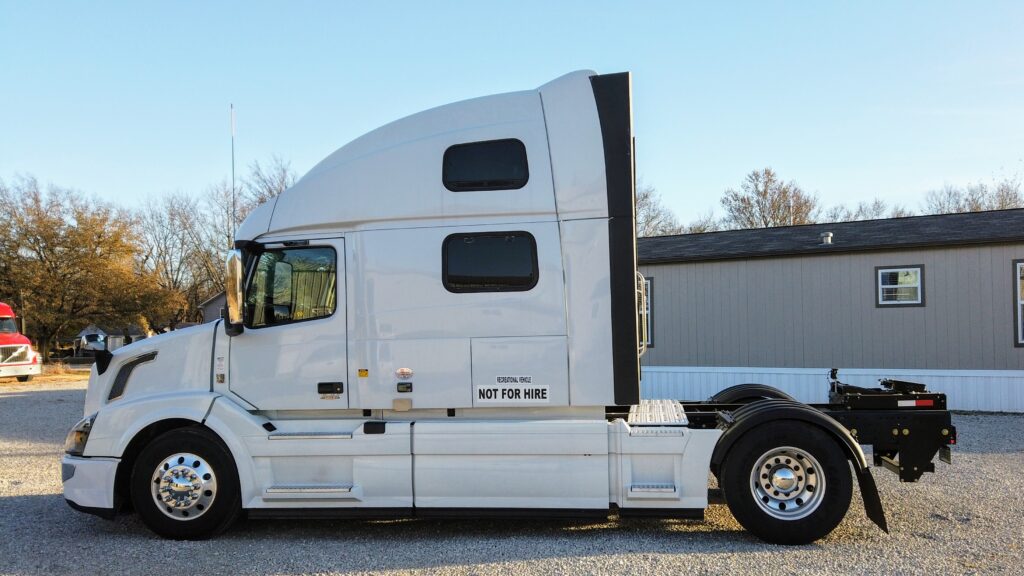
(330, 388)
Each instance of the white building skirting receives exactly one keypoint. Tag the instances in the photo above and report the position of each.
(987, 390)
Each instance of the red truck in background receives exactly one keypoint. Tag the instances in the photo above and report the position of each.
(17, 358)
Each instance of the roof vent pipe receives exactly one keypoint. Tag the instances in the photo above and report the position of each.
(826, 238)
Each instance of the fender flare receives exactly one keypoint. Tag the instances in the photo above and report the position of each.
(773, 410)
(753, 415)
(746, 393)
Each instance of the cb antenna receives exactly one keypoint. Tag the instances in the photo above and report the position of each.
(233, 203)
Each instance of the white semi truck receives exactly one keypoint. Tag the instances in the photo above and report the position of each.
(443, 318)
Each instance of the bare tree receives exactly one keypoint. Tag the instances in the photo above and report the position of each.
(1007, 194)
(264, 183)
(652, 217)
(210, 226)
(1003, 195)
(900, 212)
(177, 249)
(873, 210)
(764, 200)
(705, 223)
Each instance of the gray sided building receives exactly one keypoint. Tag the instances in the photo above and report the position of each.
(935, 299)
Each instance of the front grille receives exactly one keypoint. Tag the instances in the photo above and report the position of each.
(14, 354)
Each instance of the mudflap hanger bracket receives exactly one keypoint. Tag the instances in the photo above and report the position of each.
(905, 424)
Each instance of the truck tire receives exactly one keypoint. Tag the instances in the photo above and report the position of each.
(27, 378)
(787, 482)
(746, 393)
(184, 485)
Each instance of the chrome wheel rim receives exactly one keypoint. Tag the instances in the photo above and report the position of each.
(184, 486)
(787, 483)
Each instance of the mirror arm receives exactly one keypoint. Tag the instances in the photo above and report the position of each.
(229, 328)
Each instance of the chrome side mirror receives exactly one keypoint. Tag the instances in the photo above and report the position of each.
(233, 293)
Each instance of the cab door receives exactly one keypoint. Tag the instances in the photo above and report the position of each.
(292, 354)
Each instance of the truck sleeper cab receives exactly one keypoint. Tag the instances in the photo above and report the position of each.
(444, 318)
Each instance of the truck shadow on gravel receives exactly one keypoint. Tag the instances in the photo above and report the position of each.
(92, 545)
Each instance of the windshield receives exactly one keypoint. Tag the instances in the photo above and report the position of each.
(8, 326)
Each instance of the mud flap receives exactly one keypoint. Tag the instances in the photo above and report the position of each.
(872, 501)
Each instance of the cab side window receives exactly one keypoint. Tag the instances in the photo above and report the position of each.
(291, 285)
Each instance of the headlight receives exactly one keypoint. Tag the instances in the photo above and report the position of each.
(78, 436)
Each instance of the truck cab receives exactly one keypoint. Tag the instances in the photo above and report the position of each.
(442, 318)
(17, 358)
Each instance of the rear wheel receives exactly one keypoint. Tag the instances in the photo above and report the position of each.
(787, 482)
(184, 485)
(26, 378)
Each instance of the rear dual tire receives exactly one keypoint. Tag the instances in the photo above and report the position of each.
(787, 482)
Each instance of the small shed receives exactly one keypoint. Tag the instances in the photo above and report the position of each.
(211, 307)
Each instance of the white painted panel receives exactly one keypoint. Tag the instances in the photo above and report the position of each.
(182, 363)
(378, 467)
(986, 390)
(440, 378)
(92, 485)
(394, 173)
(539, 365)
(588, 301)
(680, 461)
(534, 481)
(577, 146)
(530, 464)
(530, 437)
(396, 290)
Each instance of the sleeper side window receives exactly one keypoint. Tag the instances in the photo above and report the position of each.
(489, 165)
(291, 285)
(489, 262)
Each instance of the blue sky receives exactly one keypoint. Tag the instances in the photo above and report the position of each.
(852, 100)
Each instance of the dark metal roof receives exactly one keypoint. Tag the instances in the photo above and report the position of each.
(997, 226)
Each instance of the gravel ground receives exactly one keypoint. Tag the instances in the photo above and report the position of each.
(965, 519)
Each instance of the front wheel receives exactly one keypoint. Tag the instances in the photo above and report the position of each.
(184, 485)
(787, 482)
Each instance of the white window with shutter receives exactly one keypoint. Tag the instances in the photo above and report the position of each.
(900, 286)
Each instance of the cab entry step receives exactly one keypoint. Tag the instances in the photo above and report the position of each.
(313, 492)
(653, 488)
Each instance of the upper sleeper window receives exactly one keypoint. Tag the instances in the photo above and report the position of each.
(489, 262)
(490, 165)
(902, 286)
